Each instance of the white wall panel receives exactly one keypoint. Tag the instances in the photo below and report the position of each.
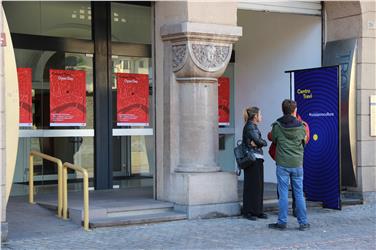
(297, 7)
(271, 44)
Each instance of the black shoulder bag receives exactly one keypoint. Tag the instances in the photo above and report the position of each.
(243, 155)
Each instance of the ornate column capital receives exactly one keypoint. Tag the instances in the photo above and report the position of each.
(199, 49)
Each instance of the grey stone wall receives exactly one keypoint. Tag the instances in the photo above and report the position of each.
(357, 19)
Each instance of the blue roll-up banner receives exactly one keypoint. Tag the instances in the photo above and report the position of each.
(317, 93)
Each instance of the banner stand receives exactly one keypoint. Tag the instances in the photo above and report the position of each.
(317, 92)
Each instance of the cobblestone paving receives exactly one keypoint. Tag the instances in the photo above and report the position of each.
(352, 228)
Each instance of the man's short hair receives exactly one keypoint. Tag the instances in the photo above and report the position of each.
(288, 106)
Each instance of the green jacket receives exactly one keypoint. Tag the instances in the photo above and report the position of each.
(289, 135)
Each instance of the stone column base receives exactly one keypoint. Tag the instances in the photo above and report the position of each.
(204, 195)
(369, 197)
(4, 231)
(195, 168)
(210, 211)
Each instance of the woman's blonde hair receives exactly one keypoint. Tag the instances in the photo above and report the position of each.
(250, 112)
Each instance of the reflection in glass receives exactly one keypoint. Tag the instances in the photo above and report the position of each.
(58, 19)
(130, 23)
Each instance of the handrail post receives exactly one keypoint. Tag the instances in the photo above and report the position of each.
(59, 188)
(85, 175)
(86, 200)
(59, 180)
(65, 192)
(31, 179)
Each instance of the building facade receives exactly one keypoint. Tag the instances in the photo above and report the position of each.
(179, 152)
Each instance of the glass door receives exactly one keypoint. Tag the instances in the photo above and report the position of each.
(132, 96)
(133, 141)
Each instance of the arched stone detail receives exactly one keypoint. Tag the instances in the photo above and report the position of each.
(179, 56)
(200, 50)
(210, 57)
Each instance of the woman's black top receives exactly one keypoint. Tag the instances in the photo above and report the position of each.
(252, 133)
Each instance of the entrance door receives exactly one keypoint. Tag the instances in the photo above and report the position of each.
(132, 124)
(71, 36)
(133, 150)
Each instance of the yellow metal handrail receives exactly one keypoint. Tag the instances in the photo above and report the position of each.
(59, 178)
(85, 175)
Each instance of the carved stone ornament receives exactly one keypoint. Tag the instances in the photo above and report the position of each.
(210, 57)
(179, 56)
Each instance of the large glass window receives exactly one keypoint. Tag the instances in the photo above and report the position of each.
(58, 19)
(58, 36)
(41, 62)
(131, 23)
(62, 144)
(226, 158)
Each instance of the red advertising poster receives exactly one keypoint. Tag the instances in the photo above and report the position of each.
(24, 89)
(67, 97)
(224, 101)
(132, 99)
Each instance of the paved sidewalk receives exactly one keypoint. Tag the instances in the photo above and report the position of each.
(352, 228)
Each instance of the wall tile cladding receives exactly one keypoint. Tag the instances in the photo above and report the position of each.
(340, 9)
(366, 76)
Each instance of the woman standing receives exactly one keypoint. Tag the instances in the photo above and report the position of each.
(253, 193)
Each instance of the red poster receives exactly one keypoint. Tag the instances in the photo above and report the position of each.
(67, 97)
(132, 99)
(224, 101)
(24, 89)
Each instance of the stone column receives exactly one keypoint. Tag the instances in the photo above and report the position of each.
(198, 54)
(198, 138)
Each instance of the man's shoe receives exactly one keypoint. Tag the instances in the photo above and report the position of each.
(277, 226)
(262, 216)
(250, 217)
(304, 227)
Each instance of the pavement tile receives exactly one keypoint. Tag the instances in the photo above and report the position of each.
(352, 228)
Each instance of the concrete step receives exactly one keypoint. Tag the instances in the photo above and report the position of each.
(137, 219)
(140, 209)
(120, 213)
(351, 201)
(46, 205)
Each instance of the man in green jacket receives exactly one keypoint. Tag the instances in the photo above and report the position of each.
(290, 137)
